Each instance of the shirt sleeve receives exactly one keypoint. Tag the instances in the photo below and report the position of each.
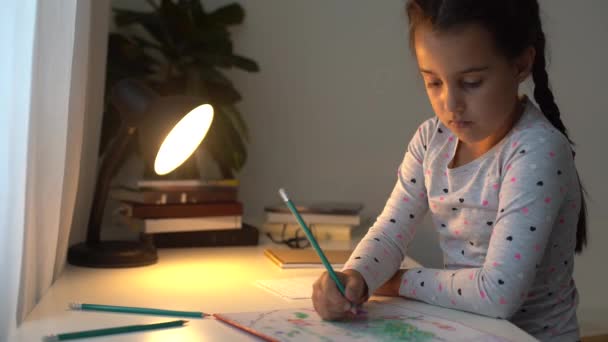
(532, 191)
(380, 253)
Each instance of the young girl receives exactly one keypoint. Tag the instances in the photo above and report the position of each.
(496, 172)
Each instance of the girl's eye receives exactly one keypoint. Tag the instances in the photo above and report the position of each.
(472, 85)
(433, 84)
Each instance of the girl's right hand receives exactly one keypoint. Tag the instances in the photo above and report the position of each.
(329, 302)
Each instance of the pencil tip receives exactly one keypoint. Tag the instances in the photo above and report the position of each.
(75, 306)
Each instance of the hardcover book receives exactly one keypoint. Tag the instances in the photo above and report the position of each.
(306, 258)
(149, 211)
(181, 195)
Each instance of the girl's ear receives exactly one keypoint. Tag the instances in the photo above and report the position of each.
(524, 63)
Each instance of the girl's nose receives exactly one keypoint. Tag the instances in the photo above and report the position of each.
(452, 100)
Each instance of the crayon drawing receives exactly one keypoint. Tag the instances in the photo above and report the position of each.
(380, 322)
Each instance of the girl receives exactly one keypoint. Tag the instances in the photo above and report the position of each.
(496, 172)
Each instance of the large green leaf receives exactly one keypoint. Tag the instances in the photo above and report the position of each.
(176, 23)
(151, 22)
(245, 63)
(214, 76)
(124, 17)
(225, 144)
(222, 93)
(214, 59)
(230, 112)
(232, 14)
(195, 9)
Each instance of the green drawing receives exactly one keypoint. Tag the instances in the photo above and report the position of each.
(397, 330)
(301, 315)
(386, 321)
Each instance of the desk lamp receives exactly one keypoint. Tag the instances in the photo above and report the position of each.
(169, 129)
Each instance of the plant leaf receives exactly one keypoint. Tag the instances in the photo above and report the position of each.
(235, 117)
(222, 94)
(195, 9)
(228, 15)
(176, 23)
(225, 144)
(212, 58)
(213, 75)
(245, 63)
(124, 17)
(127, 59)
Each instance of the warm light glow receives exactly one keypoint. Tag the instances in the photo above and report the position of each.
(183, 139)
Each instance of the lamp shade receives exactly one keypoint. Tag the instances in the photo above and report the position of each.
(172, 129)
(169, 128)
(183, 139)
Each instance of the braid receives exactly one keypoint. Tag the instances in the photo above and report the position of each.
(544, 97)
(542, 93)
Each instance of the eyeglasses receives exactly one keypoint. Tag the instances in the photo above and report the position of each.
(299, 240)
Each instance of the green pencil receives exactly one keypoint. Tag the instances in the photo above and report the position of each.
(114, 331)
(313, 241)
(130, 309)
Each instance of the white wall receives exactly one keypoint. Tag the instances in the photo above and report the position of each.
(578, 33)
(334, 106)
(338, 98)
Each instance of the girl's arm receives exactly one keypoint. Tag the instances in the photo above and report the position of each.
(380, 253)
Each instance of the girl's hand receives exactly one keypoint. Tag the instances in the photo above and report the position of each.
(329, 302)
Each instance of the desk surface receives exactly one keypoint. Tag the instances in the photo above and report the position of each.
(212, 280)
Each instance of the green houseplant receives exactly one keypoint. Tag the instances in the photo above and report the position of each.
(179, 48)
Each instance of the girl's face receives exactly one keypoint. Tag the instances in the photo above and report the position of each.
(472, 88)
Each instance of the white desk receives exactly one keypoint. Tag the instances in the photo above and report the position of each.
(211, 280)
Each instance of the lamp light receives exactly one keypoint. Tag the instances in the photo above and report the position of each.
(170, 129)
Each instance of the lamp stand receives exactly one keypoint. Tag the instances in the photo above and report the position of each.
(109, 254)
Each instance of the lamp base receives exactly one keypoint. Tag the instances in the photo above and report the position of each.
(112, 254)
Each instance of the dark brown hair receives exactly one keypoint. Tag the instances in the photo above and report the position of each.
(515, 26)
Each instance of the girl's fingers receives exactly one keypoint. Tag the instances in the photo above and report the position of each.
(327, 299)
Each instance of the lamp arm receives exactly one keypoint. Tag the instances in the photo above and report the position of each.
(109, 165)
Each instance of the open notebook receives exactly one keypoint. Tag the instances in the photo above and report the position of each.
(380, 322)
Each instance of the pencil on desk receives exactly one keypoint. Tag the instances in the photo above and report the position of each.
(113, 331)
(135, 310)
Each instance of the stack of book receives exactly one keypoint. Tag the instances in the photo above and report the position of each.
(326, 220)
(186, 213)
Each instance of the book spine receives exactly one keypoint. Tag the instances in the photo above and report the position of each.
(320, 231)
(353, 220)
(145, 211)
(247, 236)
(161, 183)
(169, 225)
(185, 197)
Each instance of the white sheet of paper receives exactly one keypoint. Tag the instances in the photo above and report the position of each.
(289, 288)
